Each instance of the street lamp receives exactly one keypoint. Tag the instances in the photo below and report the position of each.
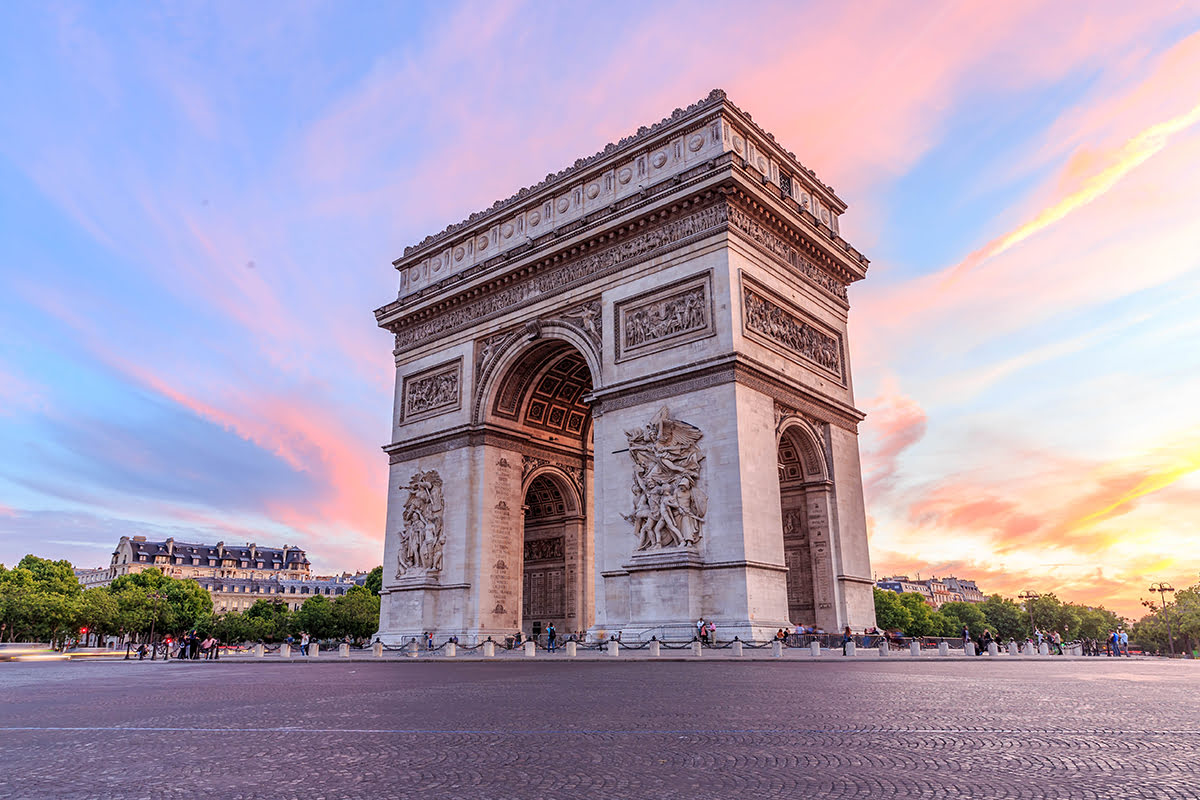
(156, 597)
(1162, 588)
(1029, 596)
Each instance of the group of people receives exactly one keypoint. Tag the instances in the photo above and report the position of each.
(706, 631)
(305, 641)
(1115, 644)
(192, 647)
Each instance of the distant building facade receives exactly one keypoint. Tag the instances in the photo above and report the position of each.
(936, 591)
(235, 576)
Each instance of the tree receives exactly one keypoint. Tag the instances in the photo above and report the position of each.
(356, 613)
(52, 577)
(99, 612)
(1005, 618)
(959, 614)
(374, 582)
(267, 621)
(185, 604)
(1051, 614)
(921, 619)
(890, 613)
(315, 617)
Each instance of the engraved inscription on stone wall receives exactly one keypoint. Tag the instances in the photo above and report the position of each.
(550, 281)
(433, 391)
(773, 244)
(786, 329)
(664, 318)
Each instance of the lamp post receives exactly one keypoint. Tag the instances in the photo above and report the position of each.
(1029, 596)
(1163, 588)
(157, 597)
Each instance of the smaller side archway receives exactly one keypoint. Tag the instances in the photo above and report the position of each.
(804, 503)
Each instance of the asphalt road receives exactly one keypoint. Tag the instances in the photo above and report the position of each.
(1065, 729)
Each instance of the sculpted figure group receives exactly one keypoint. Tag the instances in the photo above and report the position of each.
(421, 538)
(668, 505)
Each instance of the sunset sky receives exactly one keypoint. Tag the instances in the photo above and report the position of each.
(199, 204)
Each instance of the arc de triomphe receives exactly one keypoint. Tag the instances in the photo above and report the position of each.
(623, 401)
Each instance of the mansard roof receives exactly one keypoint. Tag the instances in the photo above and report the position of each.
(292, 556)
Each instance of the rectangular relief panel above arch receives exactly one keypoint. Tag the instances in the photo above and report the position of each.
(663, 318)
(431, 392)
(776, 323)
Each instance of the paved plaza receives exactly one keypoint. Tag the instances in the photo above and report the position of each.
(532, 729)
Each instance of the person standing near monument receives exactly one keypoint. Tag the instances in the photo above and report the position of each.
(1123, 640)
(701, 630)
(551, 637)
(303, 643)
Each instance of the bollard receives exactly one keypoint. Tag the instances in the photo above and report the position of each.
(412, 648)
(697, 648)
(489, 649)
(914, 649)
(259, 651)
(943, 649)
(1044, 649)
(530, 648)
(285, 650)
(614, 647)
(815, 649)
(451, 649)
(1012, 648)
(1027, 649)
(969, 649)
(314, 649)
(377, 649)
(655, 648)
(776, 649)
(572, 649)
(848, 649)
(993, 650)
(883, 649)
(344, 650)
(737, 648)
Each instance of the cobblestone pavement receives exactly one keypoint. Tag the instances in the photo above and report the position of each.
(1051, 729)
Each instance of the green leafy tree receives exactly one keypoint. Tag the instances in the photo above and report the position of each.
(1005, 618)
(52, 577)
(374, 583)
(890, 613)
(267, 621)
(183, 606)
(1051, 614)
(921, 620)
(959, 614)
(315, 617)
(99, 612)
(356, 613)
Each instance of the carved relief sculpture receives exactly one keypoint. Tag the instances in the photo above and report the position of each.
(781, 326)
(432, 392)
(422, 537)
(668, 505)
(664, 318)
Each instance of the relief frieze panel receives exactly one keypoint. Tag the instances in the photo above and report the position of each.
(789, 330)
(666, 317)
(741, 220)
(555, 279)
(432, 392)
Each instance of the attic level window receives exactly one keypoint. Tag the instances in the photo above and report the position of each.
(785, 184)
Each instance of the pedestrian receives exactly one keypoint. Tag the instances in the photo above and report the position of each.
(847, 638)
(712, 633)
(303, 643)
(206, 648)
(290, 641)
(701, 630)
(142, 652)
(216, 648)
(966, 636)
(428, 640)
(551, 636)
(1123, 641)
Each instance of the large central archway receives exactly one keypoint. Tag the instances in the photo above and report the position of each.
(540, 396)
(803, 492)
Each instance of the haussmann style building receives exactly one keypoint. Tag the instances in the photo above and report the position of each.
(624, 401)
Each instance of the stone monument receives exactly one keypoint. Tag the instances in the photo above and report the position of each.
(623, 401)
